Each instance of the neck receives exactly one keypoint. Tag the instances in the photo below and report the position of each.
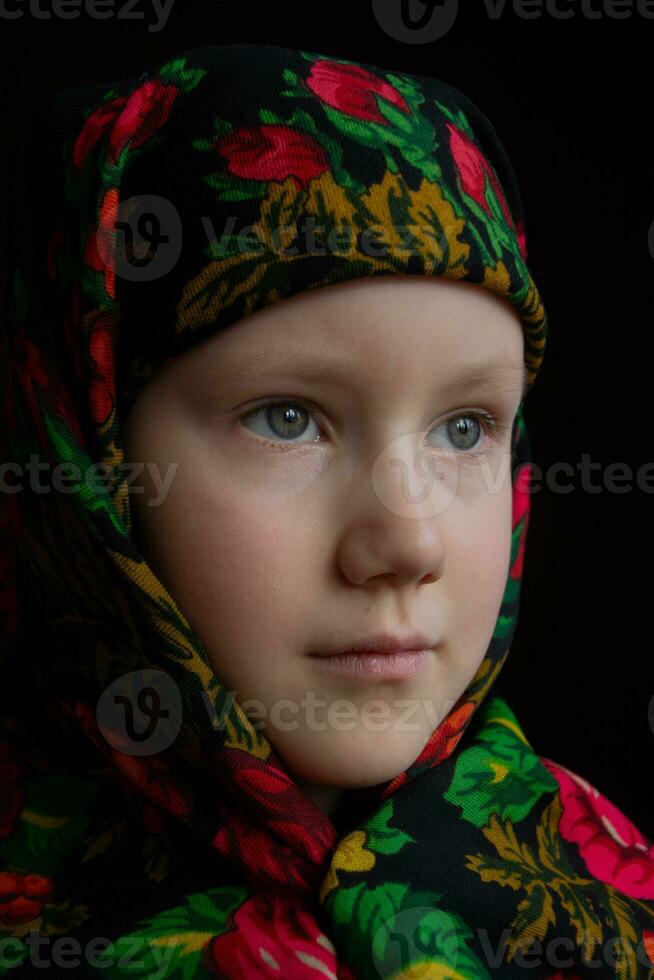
(346, 808)
(327, 798)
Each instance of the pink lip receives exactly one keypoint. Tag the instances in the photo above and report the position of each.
(381, 643)
(376, 666)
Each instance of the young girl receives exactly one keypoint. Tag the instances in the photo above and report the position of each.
(272, 327)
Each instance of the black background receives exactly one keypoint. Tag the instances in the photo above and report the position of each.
(572, 101)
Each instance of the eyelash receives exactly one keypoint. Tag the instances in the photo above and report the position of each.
(493, 427)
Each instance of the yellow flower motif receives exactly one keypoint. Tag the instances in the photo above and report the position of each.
(497, 278)
(348, 856)
(430, 970)
(499, 770)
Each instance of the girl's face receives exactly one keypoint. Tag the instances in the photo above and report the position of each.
(373, 497)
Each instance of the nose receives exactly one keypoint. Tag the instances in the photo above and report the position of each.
(385, 537)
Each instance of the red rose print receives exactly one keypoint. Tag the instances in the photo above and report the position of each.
(353, 90)
(515, 572)
(150, 776)
(452, 728)
(521, 495)
(94, 127)
(648, 943)
(295, 829)
(145, 111)
(343, 972)
(613, 849)
(268, 860)
(102, 259)
(441, 744)
(132, 119)
(22, 896)
(37, 373)
(473, 168)
(522, 240)
(11, 796)
(273, 937)
(101, 353)
(520, 512)
(84, 715)
(154, 820)
(273, 153)
(146, 776)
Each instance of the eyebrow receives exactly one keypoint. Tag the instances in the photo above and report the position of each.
(484, 375)
(488, 374)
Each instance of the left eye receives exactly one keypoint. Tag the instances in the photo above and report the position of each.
(289, 421)
(466, 428)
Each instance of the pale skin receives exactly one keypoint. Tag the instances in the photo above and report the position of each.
(282, 534)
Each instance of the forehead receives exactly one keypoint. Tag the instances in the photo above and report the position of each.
(415, 328)
(479, 372)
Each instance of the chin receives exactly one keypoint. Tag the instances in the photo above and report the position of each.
(352, 759)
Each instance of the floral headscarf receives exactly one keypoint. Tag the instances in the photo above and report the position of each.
(204, 857)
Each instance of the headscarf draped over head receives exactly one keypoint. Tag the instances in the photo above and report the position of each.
(193, 836)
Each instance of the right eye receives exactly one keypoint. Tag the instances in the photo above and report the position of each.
(286, 420)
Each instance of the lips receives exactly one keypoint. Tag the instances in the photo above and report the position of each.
(381, 643)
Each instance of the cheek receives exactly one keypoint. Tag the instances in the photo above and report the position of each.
(478, 566)
(236, 564)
